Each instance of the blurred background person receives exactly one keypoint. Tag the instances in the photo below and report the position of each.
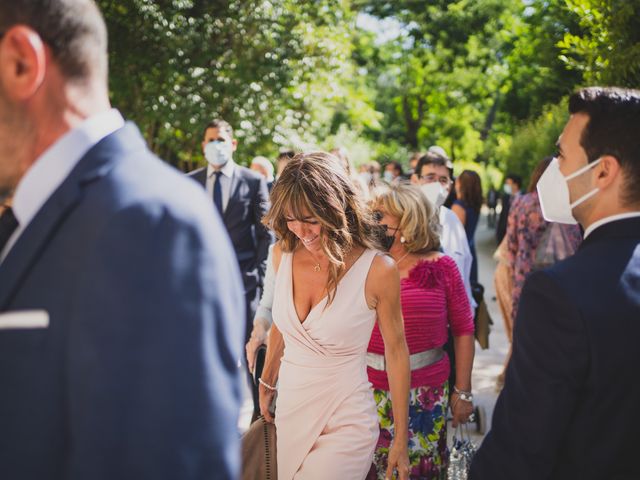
(341, 154)
(393, 172)
(467, 208)
(492, 203)
(284, 157)
(432, 298)
(264, 167)
(510, 190)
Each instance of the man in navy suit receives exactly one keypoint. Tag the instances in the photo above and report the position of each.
(241, 197)
(569, 407)
(118, 295)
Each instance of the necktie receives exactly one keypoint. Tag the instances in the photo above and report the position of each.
(217, 192)
(8, 225)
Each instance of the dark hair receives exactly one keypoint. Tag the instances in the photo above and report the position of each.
(73, 29)
(613, 129)
(471, 189)
(537, 173)
(397, 166)
(431, 158)
(517, 179)
(219, 124)
(286, 155)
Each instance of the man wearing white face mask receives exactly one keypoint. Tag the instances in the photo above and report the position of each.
(241, 197)
(434, 179)
(569, 407)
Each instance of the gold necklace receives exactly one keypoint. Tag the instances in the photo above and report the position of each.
(316, 267)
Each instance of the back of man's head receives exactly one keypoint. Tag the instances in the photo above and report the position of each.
(613, 129)
(74, 30)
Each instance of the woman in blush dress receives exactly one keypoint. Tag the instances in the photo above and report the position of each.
(432, 298)
(331, 285)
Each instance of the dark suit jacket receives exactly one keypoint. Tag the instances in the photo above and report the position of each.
(248, 203)
(136, 376)
(569, 408)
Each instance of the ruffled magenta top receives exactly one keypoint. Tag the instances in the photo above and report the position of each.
(432, 297)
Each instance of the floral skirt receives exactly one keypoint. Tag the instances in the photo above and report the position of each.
(428, 452)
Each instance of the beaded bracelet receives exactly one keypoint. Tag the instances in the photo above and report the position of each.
(266, 385)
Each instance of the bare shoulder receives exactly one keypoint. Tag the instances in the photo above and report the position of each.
(383, 264)
(383, 279)
(383, 272)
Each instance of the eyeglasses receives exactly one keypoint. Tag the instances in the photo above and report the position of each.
(386, 228)
(432, 177)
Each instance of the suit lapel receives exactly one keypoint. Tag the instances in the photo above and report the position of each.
(236, 181)
(34, 239)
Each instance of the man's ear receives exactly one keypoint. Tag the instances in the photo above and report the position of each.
(607, 171)
(23, 62)
(234, 145)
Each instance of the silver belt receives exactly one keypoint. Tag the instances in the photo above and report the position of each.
(416, 360)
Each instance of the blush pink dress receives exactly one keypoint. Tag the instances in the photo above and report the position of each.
(325, 414)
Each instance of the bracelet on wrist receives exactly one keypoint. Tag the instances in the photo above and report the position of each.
(266, 385)
(462, 395)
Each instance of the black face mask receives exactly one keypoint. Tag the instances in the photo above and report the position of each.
(385, 241)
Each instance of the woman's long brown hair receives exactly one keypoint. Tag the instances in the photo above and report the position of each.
(318, 183)
(471, 189)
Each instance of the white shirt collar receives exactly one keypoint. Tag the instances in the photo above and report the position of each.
(612, 218)
(54, 165)
(227, 170)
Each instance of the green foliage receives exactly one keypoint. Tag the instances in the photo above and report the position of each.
(533, 140)
(607, 49)
(482, 78)
(277, 71)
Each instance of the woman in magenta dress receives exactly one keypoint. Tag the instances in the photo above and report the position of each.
(432, 297)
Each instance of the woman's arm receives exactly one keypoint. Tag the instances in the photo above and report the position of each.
(263, 318)
(383, 290)
(275, 349)
(460, 212)
(464, 348)
(462, 329)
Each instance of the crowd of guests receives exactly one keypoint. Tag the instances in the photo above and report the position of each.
(126, 298)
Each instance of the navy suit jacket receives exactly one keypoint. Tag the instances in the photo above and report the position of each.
(248, 203)
(569, 408)
(136, 375)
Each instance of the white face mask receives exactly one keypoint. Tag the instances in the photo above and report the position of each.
(366, 177)
(507, 189)
(435, 192)
(217, 153)
(388, 176)
(553, 191)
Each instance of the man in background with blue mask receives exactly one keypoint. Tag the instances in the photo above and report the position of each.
(570, 401)
(241, 197)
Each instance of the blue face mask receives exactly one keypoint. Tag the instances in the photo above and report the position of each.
(217, 153)
(507, 189)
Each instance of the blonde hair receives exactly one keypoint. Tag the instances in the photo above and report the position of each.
(317, 182)
(417, 219)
